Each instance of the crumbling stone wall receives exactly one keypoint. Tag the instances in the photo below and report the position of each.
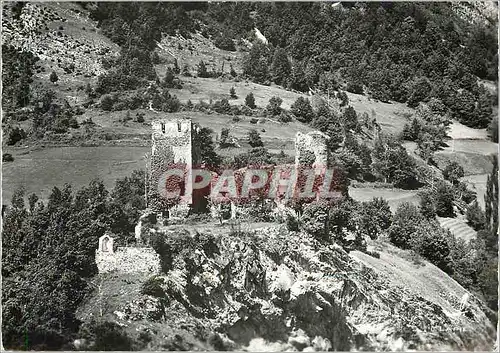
(313, 142)
(128, 260)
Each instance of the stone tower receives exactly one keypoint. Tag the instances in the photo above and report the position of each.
(313, 144)
(172, 148)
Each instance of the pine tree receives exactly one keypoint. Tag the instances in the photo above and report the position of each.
(250, 101)
(280, 67)
(491, 203)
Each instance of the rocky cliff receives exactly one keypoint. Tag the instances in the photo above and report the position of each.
(276, 290)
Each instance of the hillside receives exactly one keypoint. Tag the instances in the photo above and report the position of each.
(387, 303)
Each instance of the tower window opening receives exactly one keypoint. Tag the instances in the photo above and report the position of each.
(178, 127)
(163, 128)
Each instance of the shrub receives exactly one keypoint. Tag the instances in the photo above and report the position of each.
(139, 117)
(222, 106)
(432, 243)
(284, 117)
(107, 102)
(53, 77)
(224, 43)
(453, 172)
(250, 101)
(302, 109)
(15, 135)
(153, 287)
(7, 157)
(254, 121)
(315, 220)
(254, 139)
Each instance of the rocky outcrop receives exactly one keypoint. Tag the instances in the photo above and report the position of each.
(279, 290)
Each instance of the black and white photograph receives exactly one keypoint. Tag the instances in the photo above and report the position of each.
(256, 176)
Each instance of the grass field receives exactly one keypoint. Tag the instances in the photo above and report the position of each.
(393, 196)
(40, 170)
(197, 89)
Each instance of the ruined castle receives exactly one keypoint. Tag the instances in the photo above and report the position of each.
(173, 146)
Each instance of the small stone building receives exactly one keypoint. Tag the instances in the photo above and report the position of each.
(125, 259)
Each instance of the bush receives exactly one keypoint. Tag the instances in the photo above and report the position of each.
(254, 121)
(250, 101)
(153, 287)
(15, 135)
(302, 109)
(7, 157)
(453, 172)
(285, 117)
(224, 43)
(254, 139)
(139, 117)
(315, 220)
(53, 77)
(202, 70)
(107, 102)
(222, 106)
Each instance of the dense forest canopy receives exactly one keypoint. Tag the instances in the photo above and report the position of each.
(405, 52)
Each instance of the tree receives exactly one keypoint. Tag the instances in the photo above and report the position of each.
(444, 200)
(427, 205)
(350, 119)
(255, 64)
(432, 242)
(53, 77)
(375, 217)
(250, 101)
(391, 161)
(493, 129)
(420, 92)
(315, 220)
(302, 109)
(254, 139)
(406, 221)
(483, 111)
(491, 206)
(232, 93)
(453, 172)
(274, 106)
(201, 70)
(203, 138)
(475, 216)
(280, 66)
